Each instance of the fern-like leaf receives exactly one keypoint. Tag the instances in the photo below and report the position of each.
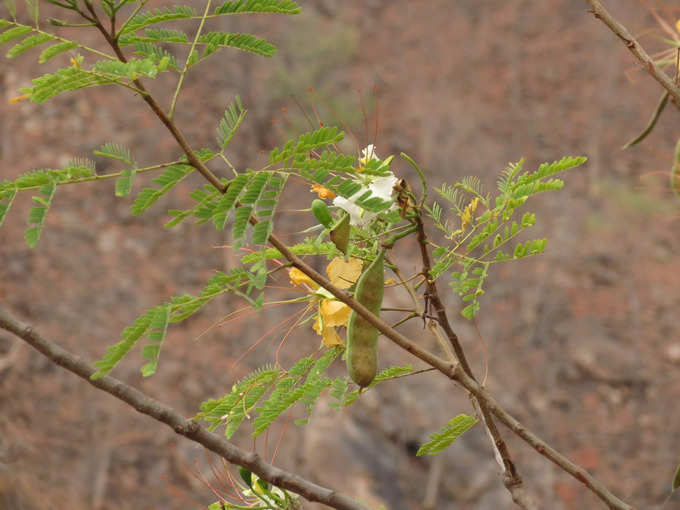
(153, 17)
(148, 196)
(114, 151)
(28, 43)
(291, 390)
(37, 215)
(306, 143)
(257, 6)
(6, 201)
(245, 42)
(14, 33)
(233, 116)
(441, 440)
(131, 335)
(158, 328)
(56, 49)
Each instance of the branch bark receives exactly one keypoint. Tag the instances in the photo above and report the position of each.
(636, 49)
(187, 428)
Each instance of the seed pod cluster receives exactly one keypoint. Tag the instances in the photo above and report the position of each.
(362, 336)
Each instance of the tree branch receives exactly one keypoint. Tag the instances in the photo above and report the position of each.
(636, 49)
(511, 477)
(187, 428)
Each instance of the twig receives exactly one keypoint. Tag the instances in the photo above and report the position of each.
(636, 49)
(511, 478)
(187, 428)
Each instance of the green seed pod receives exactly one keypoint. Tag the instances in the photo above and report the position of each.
(340, 233)
(321, 213)
(362, 336)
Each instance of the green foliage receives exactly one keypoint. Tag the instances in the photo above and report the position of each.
(104, 72)
(6, 200)
(441, 440)
(38, 213)
(120, 153)
(56, 49)
(305, 143)
(131, 335)
(158, 328)
(233, 116)
(340, 387)
(14, 33)
(676, 480)
(303, 383)
(245, 42)
(28, 43)
(169, 178)
(156, 16)
(482, 236)
(258, 6)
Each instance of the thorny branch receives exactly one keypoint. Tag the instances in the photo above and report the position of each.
(636, 49)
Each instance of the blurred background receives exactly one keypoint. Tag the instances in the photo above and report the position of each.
(582, 342)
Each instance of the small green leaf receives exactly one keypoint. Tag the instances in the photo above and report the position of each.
(441, 440)
(676, 479)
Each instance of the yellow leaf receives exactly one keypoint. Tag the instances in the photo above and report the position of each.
(677, 25)
(297, 277)
(343, 273)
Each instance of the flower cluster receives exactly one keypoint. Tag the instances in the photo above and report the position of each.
(379, 186)
(332, 313)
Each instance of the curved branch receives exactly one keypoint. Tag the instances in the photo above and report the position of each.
(636, 49)
(187, 428)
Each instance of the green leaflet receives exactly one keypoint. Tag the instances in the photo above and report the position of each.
(155, 16)
(291, 390)
(258, 6)
(305, 143)
(148, 196)
(245, 42)
(441, 440)
(114, 151)
(158, 328)
(14, 33)
(28, 43)
(131, 335)
(56, 49)
(37, 215)
(303, 383)
(233, 116)
(6, 200)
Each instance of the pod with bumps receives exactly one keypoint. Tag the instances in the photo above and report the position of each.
(362, 336)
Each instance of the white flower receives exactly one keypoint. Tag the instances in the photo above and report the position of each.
(380, 187)
(368, 154)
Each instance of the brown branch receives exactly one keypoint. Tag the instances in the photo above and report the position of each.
(187, 428)
(511, 477)
(636, 49)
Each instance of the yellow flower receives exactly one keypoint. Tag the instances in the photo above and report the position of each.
(323, 193)
(466, 215)
(677, 25)
(332, 313)
(19, 98)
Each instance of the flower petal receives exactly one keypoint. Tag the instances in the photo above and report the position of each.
(343, 273)
(297, 277)
(334, 313)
